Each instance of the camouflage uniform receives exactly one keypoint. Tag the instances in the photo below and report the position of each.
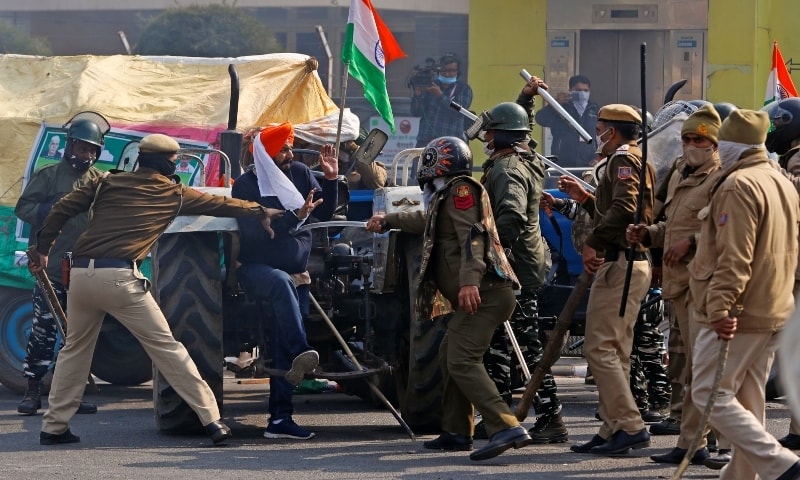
(514, 181)
(650, 384)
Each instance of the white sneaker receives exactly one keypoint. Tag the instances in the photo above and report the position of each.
(302, 365)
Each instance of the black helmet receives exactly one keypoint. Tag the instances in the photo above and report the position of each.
(87, 131)
(508, 116)
(444, 157)
(724, 109)
(785, 117)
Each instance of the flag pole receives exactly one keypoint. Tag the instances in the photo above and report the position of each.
(345, 76)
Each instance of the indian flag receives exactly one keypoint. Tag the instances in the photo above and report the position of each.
(779, 84)
(368, 47)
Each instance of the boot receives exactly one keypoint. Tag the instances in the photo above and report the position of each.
(32, 401)
(549, 428)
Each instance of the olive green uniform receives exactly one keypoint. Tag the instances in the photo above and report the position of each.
(458, 252)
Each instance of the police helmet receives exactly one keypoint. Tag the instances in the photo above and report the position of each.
(724, 109)
(508, 116)
(444, 157)
(87, 131)
(785, 117)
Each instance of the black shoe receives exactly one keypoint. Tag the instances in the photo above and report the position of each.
(622, 441)
(653, 416)
(716, 463)
(480, 431)
(87, 408)
(53, 439)
(793, 473)
(449, 441)
(501, 441)
(669, 426)
(549, 429)
(791, 441)
(676, 456)
(596, 441)
(218, 431)
(711, 442)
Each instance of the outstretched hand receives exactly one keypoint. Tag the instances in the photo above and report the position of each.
(266, 219)
(309, 205)
(328, 162)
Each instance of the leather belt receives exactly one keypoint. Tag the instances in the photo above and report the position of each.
(83, 262)
(613, 255)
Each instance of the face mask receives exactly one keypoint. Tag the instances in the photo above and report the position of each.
(696, 156)
(579, 96)
(487, 150)
(600, 143)
(79, 164)
(159, 163)
(447, 80)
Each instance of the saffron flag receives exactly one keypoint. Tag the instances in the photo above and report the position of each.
(779, 84)
(368, 47)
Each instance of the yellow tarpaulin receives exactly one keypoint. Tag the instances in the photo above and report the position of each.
(132, 91)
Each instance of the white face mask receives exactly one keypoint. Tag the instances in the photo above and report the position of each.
(697, 156)
(488, 150)
(600, 143)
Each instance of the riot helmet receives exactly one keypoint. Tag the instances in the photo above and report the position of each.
(444, 157)
(724, 109)
(508, 116)
(785, 118)
(699, 103)
(89, 127)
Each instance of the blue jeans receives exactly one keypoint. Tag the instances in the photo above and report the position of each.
(288, 335)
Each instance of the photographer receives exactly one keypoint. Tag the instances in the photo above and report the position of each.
(435, 86)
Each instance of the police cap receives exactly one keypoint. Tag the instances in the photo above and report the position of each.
(158, 143)
(619, 113)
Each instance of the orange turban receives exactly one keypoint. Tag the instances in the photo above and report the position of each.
(275, 137)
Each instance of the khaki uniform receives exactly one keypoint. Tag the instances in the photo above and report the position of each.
(609, 339)
(129, 212)
(686, 196)
(744, 267)
(461, 249)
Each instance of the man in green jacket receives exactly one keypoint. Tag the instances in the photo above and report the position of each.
(47, 186)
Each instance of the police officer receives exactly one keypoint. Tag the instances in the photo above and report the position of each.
(130, 210)
(463, 260)
(688, 190)
(608, 337)
(741, 281)
(51, 182)
(784, 139)
(514, 179)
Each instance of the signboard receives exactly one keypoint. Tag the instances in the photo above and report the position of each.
(120, 148)
(406, 129)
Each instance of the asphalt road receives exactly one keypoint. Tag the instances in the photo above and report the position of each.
(354, 441)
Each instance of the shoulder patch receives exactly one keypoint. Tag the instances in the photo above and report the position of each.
(723, 219)
(623, 148)
(624, 173)
(463, 198)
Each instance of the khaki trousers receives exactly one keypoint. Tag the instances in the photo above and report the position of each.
(609, 340)
(466, 383)
(739, 410)
(123, 293)
(677, 356)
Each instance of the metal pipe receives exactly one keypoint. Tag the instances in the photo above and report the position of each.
(328, 54)
(559, 109)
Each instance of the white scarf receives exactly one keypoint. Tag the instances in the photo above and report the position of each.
(272, 182)
(731, 152)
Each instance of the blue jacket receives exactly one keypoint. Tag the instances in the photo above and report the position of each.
(287, 251)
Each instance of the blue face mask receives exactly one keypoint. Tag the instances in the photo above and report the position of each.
(447, 80)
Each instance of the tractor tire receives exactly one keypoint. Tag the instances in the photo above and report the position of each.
(16, 318)
(119, 358)
(421, 399)
(188, 286)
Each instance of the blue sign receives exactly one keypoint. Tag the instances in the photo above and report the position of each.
(559, 43)
(687, 43)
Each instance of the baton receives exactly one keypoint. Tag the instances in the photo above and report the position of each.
(558, 108)
(637, 217)
(463, 111)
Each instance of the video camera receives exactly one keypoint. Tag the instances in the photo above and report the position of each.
(424, 76)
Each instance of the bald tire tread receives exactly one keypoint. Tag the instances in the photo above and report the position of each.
(119, 358)
(187, 285)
